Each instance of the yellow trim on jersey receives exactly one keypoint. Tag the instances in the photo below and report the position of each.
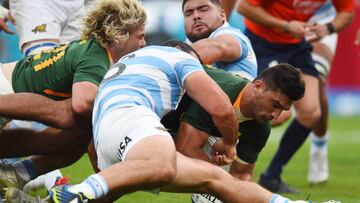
(58, 94)
(237, 100)
(109, 56)
(61, 52)
(49, 61)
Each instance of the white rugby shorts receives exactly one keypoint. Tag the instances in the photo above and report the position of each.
(47, 19)
(120, 129)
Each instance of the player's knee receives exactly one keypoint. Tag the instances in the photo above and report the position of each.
(309, 118)
(282, 118)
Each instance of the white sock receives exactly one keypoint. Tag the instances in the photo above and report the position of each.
(319, 142)
(280, 199)
(94, 186)
(47, 180)
(51, 177)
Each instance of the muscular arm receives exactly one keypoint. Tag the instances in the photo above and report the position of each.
(209, 95)
(221, 48)
(83, 96)
(30, 106)
(189, 141)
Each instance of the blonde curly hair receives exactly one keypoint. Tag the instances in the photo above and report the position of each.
(111, 20)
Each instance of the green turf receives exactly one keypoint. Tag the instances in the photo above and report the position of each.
(343, 185)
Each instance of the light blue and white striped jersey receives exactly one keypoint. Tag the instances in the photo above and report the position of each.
(325, 14)
(152, 77)
(246, 64)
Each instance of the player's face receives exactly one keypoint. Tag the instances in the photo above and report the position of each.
(136, 39)
(201, 18)
(268, 104)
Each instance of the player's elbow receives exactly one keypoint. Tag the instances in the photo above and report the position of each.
(82, 107)
(228, 51)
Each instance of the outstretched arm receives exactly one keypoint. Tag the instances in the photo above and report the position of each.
(30, 106)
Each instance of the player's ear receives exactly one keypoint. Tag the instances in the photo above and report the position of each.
(222, 15)
(259, 85)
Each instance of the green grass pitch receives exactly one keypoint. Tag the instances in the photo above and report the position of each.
(344, 157)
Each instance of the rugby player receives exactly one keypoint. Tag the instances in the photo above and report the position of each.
(256, 103)
(69, 74)
(134, 149)
(279, 38)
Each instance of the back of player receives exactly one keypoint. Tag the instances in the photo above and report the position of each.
(53, 72)
(150, 81)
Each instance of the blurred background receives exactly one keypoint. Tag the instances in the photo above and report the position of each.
(165, 21)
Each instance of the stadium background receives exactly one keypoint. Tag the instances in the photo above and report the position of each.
(165, 22)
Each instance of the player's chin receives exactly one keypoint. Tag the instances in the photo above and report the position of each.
(262, 119)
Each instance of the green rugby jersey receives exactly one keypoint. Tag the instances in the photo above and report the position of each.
(53, 72)
(253, 136)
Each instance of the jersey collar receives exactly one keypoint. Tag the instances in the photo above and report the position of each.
(236, 105)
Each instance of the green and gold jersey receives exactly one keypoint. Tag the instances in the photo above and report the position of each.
(253, 136)
(53, 72)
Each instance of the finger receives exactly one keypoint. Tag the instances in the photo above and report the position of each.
(222, 160)
(7, 29)
(216, 159)
(213, 151)
(12, 18)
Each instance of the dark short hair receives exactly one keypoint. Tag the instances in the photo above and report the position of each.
(182, 45)
(286, 78)
(215, 2)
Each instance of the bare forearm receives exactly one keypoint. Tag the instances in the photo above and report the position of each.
(220, 48)
(342, 20)
(227, 125)
(259, 15)
(29, 106)
(208, 51)
(228, 6)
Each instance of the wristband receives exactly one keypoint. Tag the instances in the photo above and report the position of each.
(330, 27)
(286, 28)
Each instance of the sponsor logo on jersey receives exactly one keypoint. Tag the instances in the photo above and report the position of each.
(39, 28)
(123, 146)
